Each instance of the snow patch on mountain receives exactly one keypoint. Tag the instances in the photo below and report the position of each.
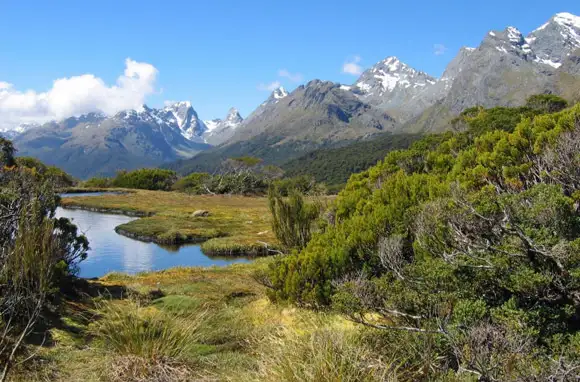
(220, 130)
(389, 74)
(556, 39)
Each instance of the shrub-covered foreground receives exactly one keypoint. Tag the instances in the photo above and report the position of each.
(196, 324)
(38, 253)
(470, 239)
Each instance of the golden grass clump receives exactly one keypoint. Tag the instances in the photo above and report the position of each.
(324, 354)
(132, 330)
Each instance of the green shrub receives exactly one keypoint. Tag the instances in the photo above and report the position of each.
(55, 175)
(194, 183)
(292, 218)
(303, 184)
(38, 253)
(98, 182)
(472, 237)
(146, 179)
(546, 103)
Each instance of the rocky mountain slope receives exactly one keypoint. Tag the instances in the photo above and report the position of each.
(396, 88)
(318, 114)
(220, 130)
(95, 144)
(315, 112)
(506, 69)
(503, 70)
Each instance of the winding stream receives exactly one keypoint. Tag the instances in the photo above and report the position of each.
(111, 252)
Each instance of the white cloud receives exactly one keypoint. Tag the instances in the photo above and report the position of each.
(270, 86)
(352, 66)
(77, 95)
(296, 77)
(439, 49)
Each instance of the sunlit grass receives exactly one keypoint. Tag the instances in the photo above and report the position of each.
(199, 324)
(237, 225)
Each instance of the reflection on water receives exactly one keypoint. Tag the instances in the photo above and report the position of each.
(111, 252)
(97, 193)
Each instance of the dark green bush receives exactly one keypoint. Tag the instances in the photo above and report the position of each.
(303, 184)
(292, 218)
(58, 177)
(98, 182)
(38, 253)
(194, 183)
(471, 238)
(146, 179)
(546, 103)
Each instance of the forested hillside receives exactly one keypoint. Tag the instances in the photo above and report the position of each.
(334, 166)
(463, 249)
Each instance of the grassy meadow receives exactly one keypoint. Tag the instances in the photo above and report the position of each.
(196, 324)
(237, 225)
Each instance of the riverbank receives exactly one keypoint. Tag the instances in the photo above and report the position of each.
(87, 190)
(235, 226)
(234, 332)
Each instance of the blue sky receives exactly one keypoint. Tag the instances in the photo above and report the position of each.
(218, 53)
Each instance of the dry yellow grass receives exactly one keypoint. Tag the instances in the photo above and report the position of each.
(240, 326)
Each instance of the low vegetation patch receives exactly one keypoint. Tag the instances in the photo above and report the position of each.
(236, 225)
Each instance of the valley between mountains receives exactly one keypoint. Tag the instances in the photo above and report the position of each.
(389, 97)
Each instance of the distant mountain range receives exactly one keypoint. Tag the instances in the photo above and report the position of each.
(505, 69)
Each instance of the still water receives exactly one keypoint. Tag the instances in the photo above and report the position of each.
(111, 252)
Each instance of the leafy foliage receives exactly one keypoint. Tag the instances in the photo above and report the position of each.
(192, 183)
(547, 103)
(471, 236)
(145, 179)
(292, 218)
(37, 251)
(303, 184)
(58, 177)
(98, 182)
(6, 153)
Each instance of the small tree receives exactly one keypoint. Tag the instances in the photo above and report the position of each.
(292, 218)
(7, 151)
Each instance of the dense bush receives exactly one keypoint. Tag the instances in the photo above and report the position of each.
(546, 103)
(194, 183)
(472, 237)
(303, 184)
(292, 218)
(146, 179)
(37, 251)
(58, 177)
(98, 182)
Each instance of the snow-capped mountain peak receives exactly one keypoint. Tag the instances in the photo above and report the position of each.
(277, 94)
(234, 116)
(556, 39)
(212, 124)
(509, 41)
(219, 130)
(389, 74)
(514, 35)
(179, 116)
(567, 19)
